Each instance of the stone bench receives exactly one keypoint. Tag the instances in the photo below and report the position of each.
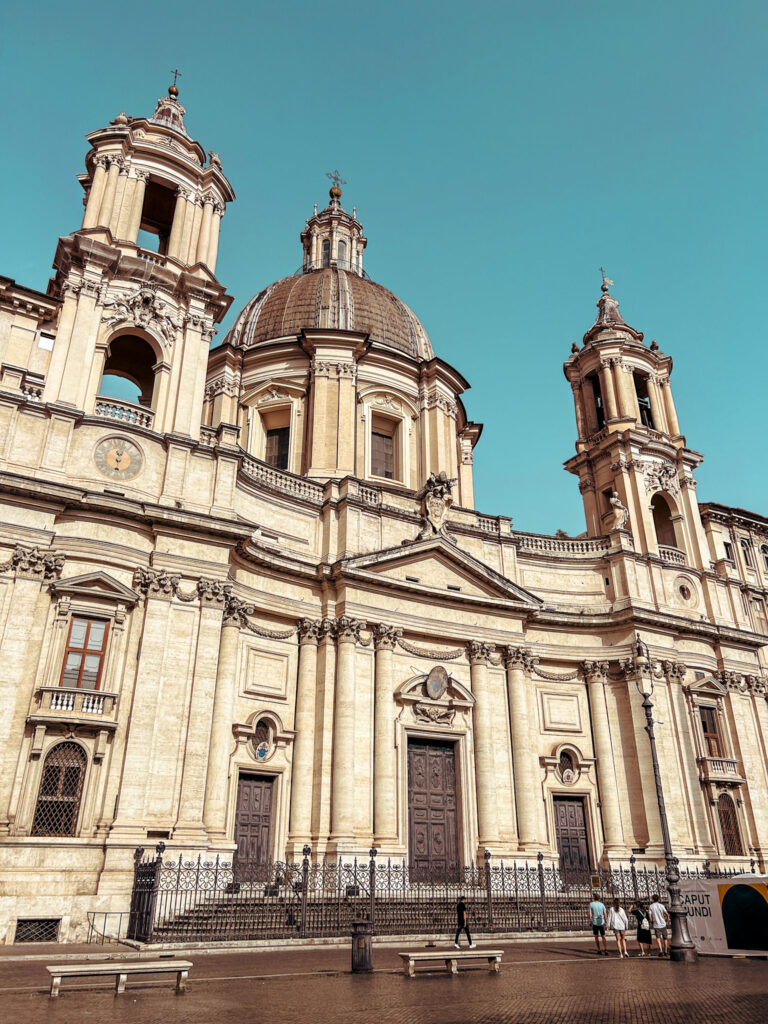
(451, 958)
(97, 970)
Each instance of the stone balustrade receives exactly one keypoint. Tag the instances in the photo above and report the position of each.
(124, 412)
(720, 768)
(531, 543)
(67, 702)
(673, 555)
(282, 481)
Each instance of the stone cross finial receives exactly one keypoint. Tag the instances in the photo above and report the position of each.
(335, 177)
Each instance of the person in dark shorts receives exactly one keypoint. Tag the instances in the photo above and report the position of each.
(597, 920)
(644, 939)
(462, 924)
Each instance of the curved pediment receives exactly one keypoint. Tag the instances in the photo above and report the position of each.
(415, 689)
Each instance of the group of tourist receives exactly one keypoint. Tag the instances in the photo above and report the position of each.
(616, 919)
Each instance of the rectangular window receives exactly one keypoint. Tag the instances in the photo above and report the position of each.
(278, 439)
(761, 621)
(84, 657)
(712, 745)
(383, 448)
(728, 546)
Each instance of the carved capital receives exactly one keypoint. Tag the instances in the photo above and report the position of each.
(385, 637)
(480, 653)
(674, 671)
(141, 176)
(236, 611)
(309, 630)
(348, 630)
(34, 564)
(156, 583)
(756, 685)
(520, 658)
(595, 671)
(210, 591)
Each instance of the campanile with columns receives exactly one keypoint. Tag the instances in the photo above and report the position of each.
(138, 277)
(635, 471)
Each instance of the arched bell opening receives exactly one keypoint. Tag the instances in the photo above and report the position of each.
(667, 522)
(129, 371)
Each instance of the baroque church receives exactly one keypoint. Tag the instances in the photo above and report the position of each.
(252, 608)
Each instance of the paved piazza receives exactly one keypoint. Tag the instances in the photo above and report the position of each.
(540, 982)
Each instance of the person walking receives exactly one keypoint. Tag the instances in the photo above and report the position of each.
(640, 913)
(597, 920)
(659, 919)
(618, 922)
(462, 923)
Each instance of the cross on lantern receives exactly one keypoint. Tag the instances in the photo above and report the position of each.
(335, 177)
(176, 74)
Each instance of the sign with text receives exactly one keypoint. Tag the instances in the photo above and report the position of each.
(727, 917)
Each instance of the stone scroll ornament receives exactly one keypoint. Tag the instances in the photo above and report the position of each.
(436, 499)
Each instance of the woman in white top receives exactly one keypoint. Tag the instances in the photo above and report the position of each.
(617, 921)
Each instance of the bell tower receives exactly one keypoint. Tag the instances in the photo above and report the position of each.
(635, 471)
(138, 277)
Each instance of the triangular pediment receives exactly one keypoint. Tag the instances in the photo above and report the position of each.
(437, 565)
(96, 584)
(707, 687)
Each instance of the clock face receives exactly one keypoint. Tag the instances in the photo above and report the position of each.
(118, 458)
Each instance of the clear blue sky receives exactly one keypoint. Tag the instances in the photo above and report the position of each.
(498, 153)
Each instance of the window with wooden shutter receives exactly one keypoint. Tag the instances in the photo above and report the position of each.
(384, 454)
(277, 447)
(729, 826)
(712, 744)
(84, 656)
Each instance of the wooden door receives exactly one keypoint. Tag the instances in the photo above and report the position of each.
(571, 831)
(432, 822)
(253, 822)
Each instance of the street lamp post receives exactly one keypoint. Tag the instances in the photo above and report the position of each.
(681, 948)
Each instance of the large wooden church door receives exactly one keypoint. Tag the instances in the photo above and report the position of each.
(432, 826)
(253, 824)
(571, 831)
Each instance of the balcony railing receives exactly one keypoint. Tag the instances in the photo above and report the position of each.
(124, 412)
(58, 702)
(673, 555)
(720, 768)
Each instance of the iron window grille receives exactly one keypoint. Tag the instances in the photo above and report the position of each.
(61, 787)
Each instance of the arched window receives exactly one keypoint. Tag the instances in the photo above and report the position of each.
(262, 739)
(764, 553)
(342, 258)
(729, 826)
(326, 253)
(662, 521)
(128, 372)
(61, 787)
(565, 767)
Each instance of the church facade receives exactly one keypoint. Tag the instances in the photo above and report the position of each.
(253, 608)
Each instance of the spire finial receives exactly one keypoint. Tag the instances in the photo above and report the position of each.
(173, 90)
(336, 178)
(607, 282)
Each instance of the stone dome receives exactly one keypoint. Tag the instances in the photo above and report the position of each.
(334, 299)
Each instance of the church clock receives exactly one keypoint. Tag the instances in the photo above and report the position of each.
(118, 458)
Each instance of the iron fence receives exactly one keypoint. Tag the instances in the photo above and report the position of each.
(215, 900)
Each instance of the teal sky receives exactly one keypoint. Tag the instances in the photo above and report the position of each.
(498, 154)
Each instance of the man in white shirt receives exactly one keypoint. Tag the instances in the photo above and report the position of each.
(659, 918)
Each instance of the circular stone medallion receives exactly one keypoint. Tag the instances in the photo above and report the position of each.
(118, 458)
(437, 682)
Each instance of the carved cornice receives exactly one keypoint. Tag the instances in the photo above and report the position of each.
(34, 564)
(326, 368)
(385, 638)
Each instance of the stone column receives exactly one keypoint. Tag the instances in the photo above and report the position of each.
(669, 405)
(189, 223)
(213, 245)
(519, 664)
(384, 757)
(613, 833)
(174, 242)
(608, 390)
(628, 407)
(221, 744)
(657, 408)
(205, 230)
(303, 768)
(91, 216)
(137, 205)
(581, 427)
(189, 825)
(19, 651)
(480, 655)
(343, 774)
(108, 201)
(645, 784)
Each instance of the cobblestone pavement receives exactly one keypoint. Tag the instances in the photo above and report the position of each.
(556, 983)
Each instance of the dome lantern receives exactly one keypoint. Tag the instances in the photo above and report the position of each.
(333, 237)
